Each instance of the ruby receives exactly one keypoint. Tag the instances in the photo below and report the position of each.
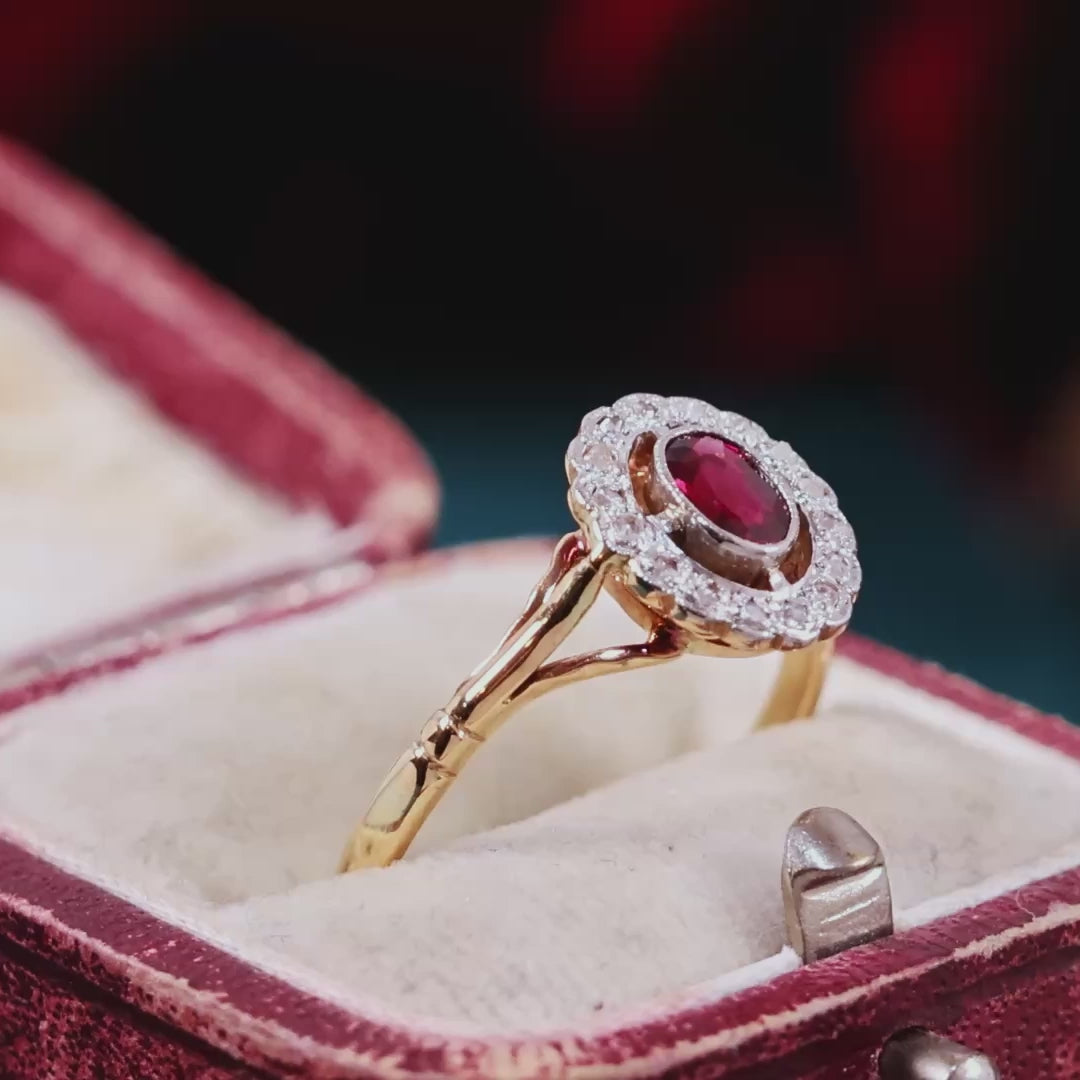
(726, 484)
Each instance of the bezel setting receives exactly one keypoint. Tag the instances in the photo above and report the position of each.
(652, 572)
(681, 510)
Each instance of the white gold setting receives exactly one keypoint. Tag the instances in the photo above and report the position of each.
(668, 580)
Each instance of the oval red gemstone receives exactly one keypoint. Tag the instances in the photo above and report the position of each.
(725, 483)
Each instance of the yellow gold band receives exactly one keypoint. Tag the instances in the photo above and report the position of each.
(518, 671)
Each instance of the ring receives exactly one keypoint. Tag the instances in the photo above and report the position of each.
(713, 537)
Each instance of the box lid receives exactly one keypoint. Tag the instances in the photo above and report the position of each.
(134, 387)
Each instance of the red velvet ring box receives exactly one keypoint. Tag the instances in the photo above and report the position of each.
(216, 641)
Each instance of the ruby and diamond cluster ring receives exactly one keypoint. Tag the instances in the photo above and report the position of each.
(714, 521)
(713, 537)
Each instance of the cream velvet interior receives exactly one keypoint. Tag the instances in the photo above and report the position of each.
(616, 847)
(102, 503)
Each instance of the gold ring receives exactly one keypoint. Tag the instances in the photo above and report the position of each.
(713, 537)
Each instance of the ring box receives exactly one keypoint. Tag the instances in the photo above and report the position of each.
(228, 639)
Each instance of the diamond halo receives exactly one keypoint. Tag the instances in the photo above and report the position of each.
(660, 575)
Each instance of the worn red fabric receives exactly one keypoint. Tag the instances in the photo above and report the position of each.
(57, 1026)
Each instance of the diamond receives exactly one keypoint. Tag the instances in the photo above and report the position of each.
(842, 570)
(663, 569)
(602, 424)
(575, 453)
(845, 538)
(834, 533)
(684, 410)
(594, 422)
(799, 615)
(667, 564)
(599, 456)
(727, 485)
(754, 619)
(584, 455)
(626, 533)
(709, 599)
(825, 596)
(599, 499)
(753, 437)
(841, 612)
(829, 526)
(783, 454)
(643, 408)
(815, 487)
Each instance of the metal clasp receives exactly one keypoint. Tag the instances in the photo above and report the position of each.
(921, 1055)
(835, 885)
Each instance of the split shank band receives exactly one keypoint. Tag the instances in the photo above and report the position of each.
(714, 538)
